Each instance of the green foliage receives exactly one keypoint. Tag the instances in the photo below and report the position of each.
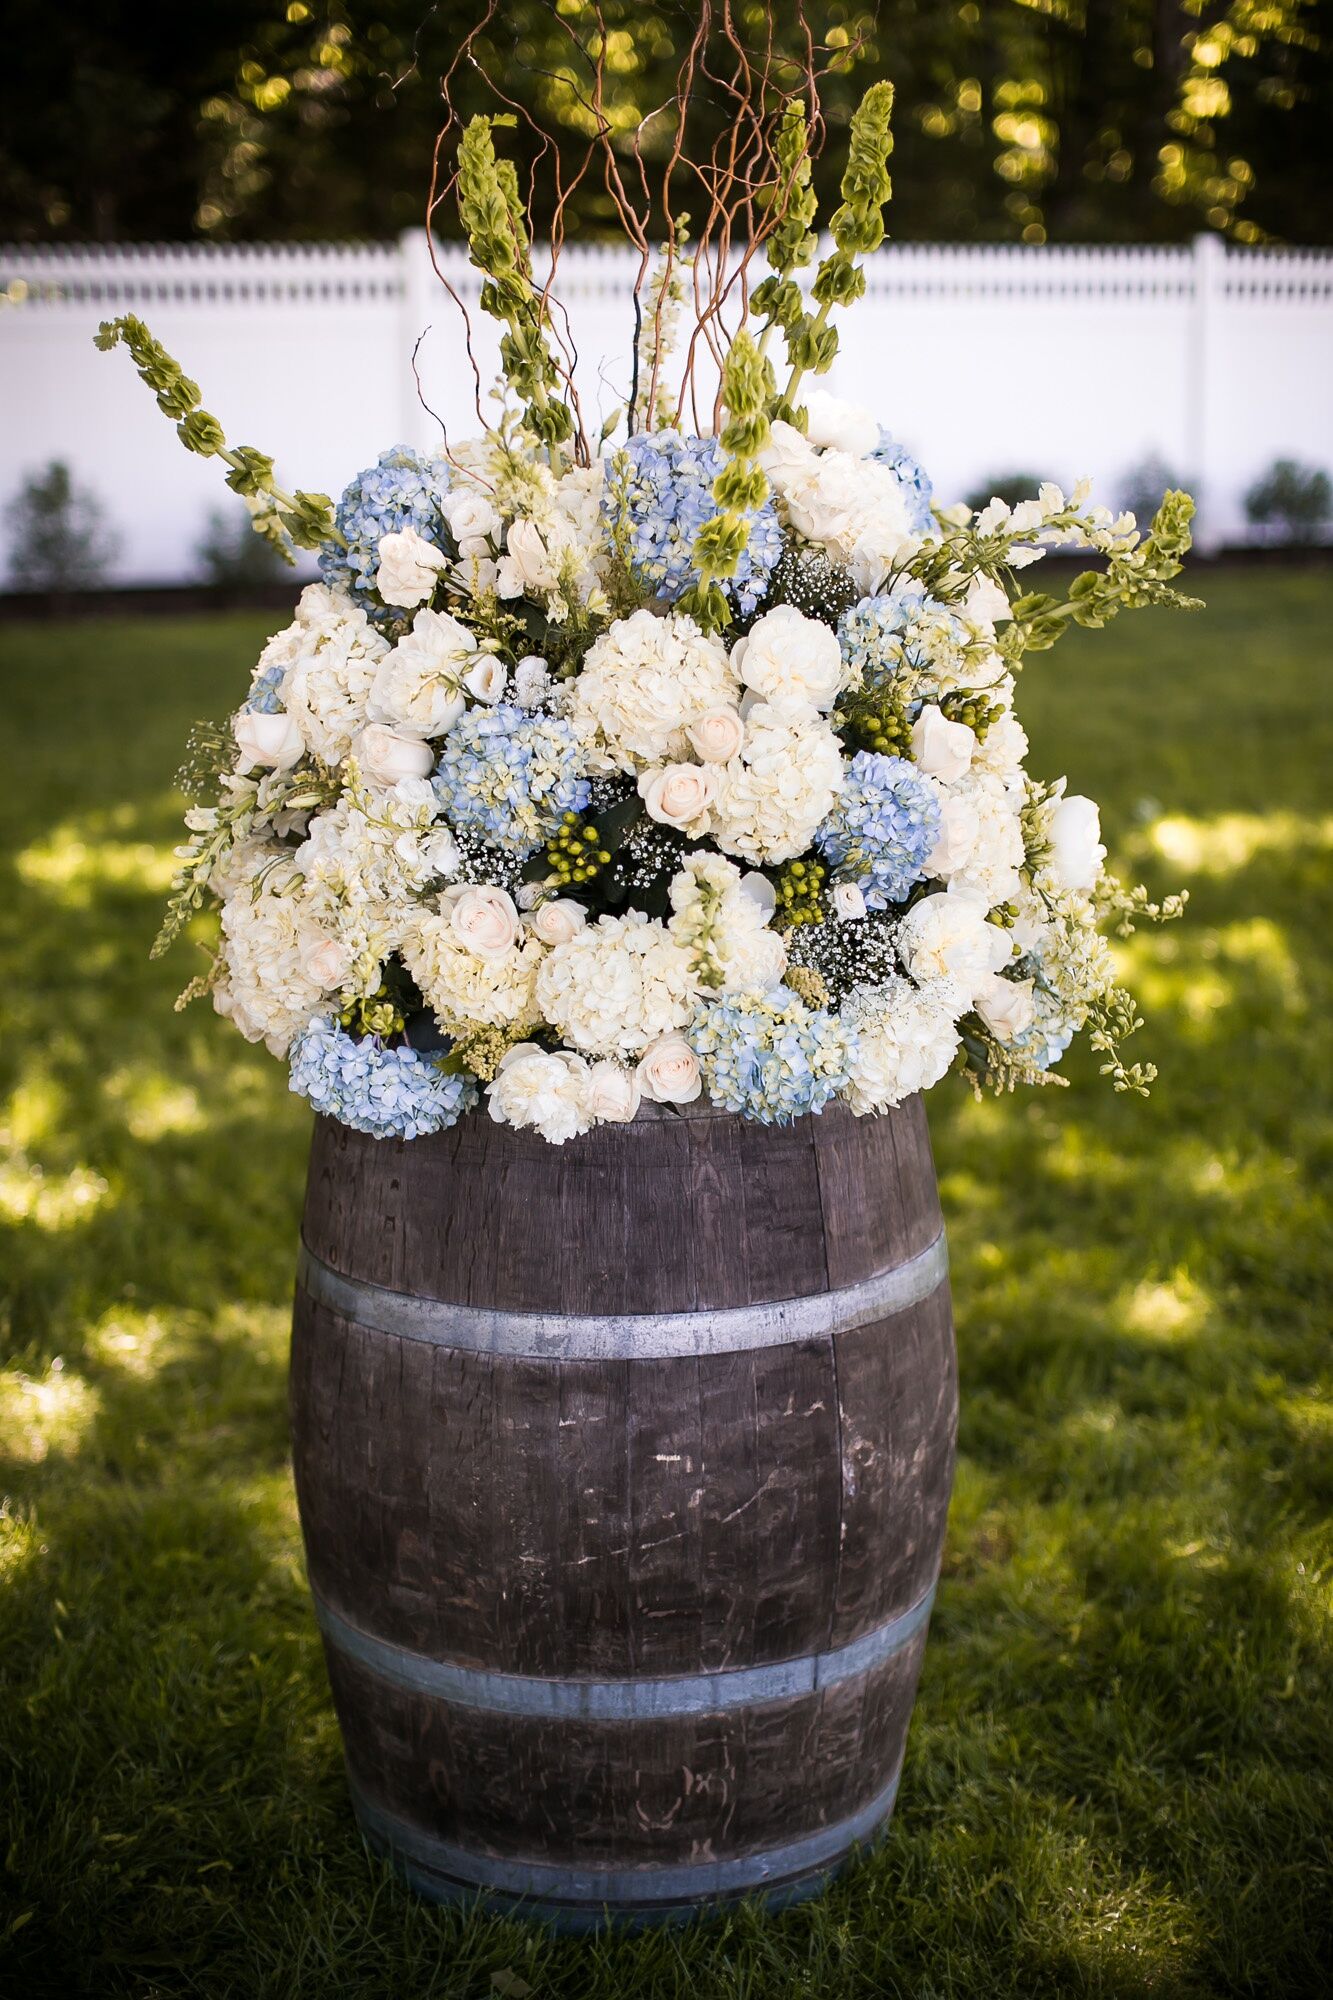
(1292, 499)
(58, 536)
(747, 384)
(1118, 1774)
(288, 521)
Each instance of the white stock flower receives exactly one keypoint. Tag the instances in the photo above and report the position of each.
(835, 425)
(548, 1093)
(773, 796)
(679, 795)
(1005, 1005)
(409, 568)
(273, 741)
(904, 1041)
(642, 685)
(669, 1071)
(724, 927)
(786, 653)
(616, 985)
(389, 755)
(942, 749)
(419, 684)
(1077, 852)
(986, 602)
(613, 1092)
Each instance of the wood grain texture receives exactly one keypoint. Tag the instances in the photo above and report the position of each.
(645, 1516)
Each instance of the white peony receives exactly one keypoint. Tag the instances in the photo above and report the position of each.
(669, 1071)
(547, 1092)
(419, 685)
(724, 927)
(833, 424)
(389, 755)
(1077, 852)
(1005, 1005)
(614, 1092)
(772, 797)
(946, 939)
(616, 985)
(942, 749)
(786, 653)
(641, 687)
(465, 985)
(991, 869)
(679, 795)
(271, 740)
(409, 568)
(904, 1041)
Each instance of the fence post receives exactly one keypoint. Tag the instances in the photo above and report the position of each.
(420, 309)
(1206, 400)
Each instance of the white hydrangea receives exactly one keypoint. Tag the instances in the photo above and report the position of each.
(642, 685)
(724, 928)
(419, 685)
(616, 985)
(1001, 751)
(365, 862)
(904, 1040)
(270, 983)
(945, 942)
(547, 1093)
(329, 657)
(852, 507)
(494, 989)
(773, 795)
(990, 867)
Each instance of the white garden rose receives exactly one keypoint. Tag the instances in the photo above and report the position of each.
(327, 961)
(641, 687)
(772, 797)
(717, 737)
(388, 755)
(470, 516)
(616, 985)
(486, 681)
(1005, 1005)
(270, 740)
(547, 1092)
(903, 1041)
(679, 795)
(669, 1071)
(419, 684)
(959, 827)
(557, 920)
(614, 1092)
(849, 903)
(1077, 852)
(946, 938)
(528, 568)
(942, 749)
(786, 653)
(831, 423)
(409, 568)
(483, 918)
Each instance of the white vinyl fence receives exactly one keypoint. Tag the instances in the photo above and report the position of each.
(981, 360)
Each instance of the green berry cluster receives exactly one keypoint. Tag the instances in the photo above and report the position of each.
(969, 705)
(877, 720)
(800, 893)
(575, 852)
(376, 1015)
(1004, 916)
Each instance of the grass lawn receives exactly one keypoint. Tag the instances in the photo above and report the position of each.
(1118, 1777)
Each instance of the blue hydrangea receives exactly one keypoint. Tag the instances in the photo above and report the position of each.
(660, 489)
(912, 478)
(770, 1057)
(402, 489)
(265, 696)
(391, 1093)
(877, 635)
(509, 778)
(884, 824)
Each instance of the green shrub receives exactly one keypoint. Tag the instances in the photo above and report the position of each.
(58, 536)
(1291, 501)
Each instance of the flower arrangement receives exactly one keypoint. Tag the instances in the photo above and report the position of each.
(684, 760)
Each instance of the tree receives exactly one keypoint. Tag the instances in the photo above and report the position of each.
(58, 538)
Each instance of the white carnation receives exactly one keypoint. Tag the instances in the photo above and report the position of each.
(548, 1093)
(419, 685)
(772, 797)
(904, 1041)
(642, 685)
(724, 928)
(616, 985)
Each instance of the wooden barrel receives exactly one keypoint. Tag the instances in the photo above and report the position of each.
(623, 1470)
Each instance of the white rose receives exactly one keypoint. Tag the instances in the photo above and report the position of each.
(408, 568)
(786, 653)
(266, 739)
(669, 1071)
(717, 737)
(557, 921)
(389, 755)
(613, 1092)
(439, 853)
(959, 827)
(679, 795)
(1077, 853)
(547, 1092)
(326, 962)
(483, 919)
(486, 681)
(526, 565)
(839, 426)
(471, 518)
(942, 749)
(849, 905)
(1005, 1005)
